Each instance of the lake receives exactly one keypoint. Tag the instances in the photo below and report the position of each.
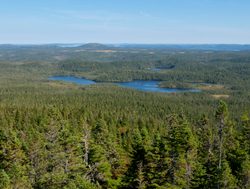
(153, 86)
(149, 86)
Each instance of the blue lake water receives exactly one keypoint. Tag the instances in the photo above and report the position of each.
(153, 86)
(150, 86)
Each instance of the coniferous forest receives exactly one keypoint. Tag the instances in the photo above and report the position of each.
(55, 134)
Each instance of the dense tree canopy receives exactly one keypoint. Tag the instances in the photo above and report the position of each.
(60, 135)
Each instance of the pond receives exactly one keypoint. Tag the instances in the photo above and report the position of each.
(149, 86)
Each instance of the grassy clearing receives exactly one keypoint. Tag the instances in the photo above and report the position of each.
(220, 96)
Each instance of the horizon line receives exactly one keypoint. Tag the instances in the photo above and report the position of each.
(123, 43)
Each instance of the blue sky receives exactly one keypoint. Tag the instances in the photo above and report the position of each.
(125, 21)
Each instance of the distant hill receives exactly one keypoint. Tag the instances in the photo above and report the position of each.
(94, 46)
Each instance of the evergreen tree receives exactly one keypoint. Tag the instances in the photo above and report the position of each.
(225, 178)
(13, 162)
(4, 180)
(135, 176)
(156, 165)
(182, 152)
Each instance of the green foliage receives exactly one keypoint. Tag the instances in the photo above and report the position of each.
(57, 135)
(4, 180)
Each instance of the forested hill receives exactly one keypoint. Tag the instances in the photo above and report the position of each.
(55, 134)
